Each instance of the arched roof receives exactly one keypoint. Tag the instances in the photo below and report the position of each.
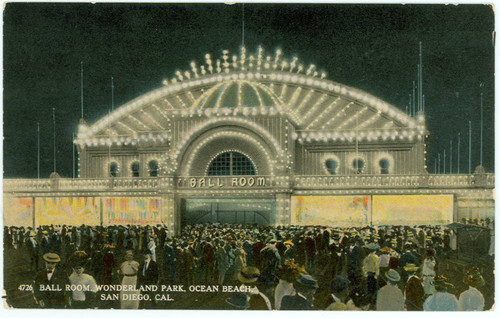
(250, 85)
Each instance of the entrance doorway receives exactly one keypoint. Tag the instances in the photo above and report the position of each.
(232, 211)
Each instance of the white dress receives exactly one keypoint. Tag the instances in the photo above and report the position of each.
(129, 271)
(428, 274)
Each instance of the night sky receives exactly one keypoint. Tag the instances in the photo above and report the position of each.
(371, 47)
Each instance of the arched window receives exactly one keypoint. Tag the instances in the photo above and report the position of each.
(358, 165)
(135, 169)
(153, 168)
(113, 170)
(231, 164)
(331, 166)
(384, 166)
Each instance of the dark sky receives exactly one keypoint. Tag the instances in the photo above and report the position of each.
(371, 47)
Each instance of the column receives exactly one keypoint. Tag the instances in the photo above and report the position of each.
(283, 203)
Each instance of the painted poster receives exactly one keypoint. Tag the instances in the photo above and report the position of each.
(232, 156)
(67, 210)
(17, 211)
(126, 210)
(347, 211)
(412, 209)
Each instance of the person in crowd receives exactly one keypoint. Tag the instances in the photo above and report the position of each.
(428, 272)
(371, 269)
(129, 269)
(151, 246)
(287, 274)
(170, 260)
(257, 300)
(83, 285)
(147, 276)
(414, 290)
(339, 291)
(390, 297)
(188, 263)
(33, 248)
(222, 261)
(49, 284)
(472, 299)
(441, 300)
(270, 262)
(305, 287)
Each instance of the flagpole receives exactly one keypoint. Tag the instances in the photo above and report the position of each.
(81, 86)
(54, 124)
(451, 157)
(470, 144)
(73, 155)
(112, 94)
(481, 143)
(38, 133)
(444, 161)
(458, 154)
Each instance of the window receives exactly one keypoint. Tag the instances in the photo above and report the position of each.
(113, 170)
(231, 164)
(153, 168)
(135, 169)
(358, 165)
(331, 166)
(384, 166)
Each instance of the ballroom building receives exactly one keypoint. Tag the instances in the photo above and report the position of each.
(252, 138)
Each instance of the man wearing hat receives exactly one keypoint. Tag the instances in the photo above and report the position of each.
(390, 297)
(33, 247)
(305, 287)
(414, 290)
(147, 275)
(170, 259)
(49, 285)
(472, 299)
(257, 300)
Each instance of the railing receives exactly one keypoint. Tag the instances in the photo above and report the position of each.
(248, 182)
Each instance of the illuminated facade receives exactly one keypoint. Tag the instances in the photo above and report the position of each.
(257, 139)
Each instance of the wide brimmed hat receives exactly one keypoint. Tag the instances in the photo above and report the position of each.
(373, 246)
(307, 281)
(288, 242)
(392, 275)
(51, 258)
(441, 282)
(386, 249)
(473, 277)
(249, 274)
(411, 268)
(79, 259)
(238, 300)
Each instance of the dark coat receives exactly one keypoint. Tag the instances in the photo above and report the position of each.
(51, 298)
(150, 276)
(295, 302)
(414, 293)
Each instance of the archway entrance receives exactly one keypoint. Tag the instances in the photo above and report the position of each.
(228, 210)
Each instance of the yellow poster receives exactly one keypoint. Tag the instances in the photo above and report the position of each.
(412, 209)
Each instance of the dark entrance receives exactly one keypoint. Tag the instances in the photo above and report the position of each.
(232, 211)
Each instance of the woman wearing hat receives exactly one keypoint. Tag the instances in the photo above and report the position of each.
(287, 274)
(83, 286)
(472, 299)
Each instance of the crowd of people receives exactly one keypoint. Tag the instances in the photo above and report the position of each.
(280, 267)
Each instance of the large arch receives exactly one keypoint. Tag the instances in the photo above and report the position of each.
(209, 141)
